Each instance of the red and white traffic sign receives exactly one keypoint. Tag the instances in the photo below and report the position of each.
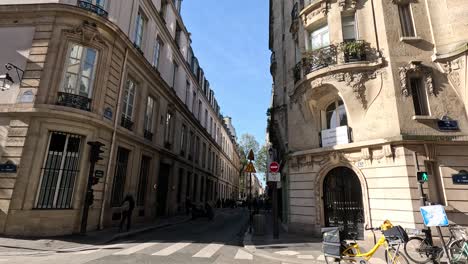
(274, 167)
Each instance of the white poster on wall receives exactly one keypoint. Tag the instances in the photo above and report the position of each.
(335, 136)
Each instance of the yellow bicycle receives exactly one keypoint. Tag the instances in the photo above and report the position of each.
(337, 250)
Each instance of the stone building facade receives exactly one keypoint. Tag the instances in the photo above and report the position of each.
(118, 72)
(366, 93)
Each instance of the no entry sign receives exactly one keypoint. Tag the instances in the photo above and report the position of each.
(274, 167)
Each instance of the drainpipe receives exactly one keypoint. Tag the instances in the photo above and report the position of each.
(375, 29)
(112, 147)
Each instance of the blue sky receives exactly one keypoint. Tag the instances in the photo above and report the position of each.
(230, 40)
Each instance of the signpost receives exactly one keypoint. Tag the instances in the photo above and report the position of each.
(435, 215)
(274, 177)
(250, 169)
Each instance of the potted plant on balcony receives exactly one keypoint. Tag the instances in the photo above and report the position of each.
(353, 50)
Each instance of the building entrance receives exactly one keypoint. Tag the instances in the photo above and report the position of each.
(342, 196)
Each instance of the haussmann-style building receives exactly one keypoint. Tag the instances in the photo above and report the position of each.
(366, 93)
(119, 72)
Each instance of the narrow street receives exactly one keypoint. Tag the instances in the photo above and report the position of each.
(198, 241)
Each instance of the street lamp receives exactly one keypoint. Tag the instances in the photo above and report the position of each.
(6, 80)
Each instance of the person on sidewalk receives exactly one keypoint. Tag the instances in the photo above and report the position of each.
(127, 207)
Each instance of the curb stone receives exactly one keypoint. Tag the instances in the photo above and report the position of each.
(86, 247)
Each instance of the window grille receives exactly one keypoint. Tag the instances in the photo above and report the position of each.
(61, 167)
(119, 178)
(143, 182)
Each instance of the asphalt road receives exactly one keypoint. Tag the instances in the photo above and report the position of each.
(199, 241)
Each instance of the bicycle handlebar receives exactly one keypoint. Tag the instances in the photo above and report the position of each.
(372, 228)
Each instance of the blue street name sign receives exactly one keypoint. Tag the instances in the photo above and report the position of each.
(460, 178)
(8, 168)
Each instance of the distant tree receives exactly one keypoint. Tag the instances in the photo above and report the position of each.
(248, 142)
(261, 159)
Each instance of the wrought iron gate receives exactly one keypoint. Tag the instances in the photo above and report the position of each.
(342, 197)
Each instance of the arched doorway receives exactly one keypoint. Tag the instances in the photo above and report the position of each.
(342, 197)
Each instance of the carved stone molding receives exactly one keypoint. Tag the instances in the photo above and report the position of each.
(87, 33)
(355, 80)
(347, 4)
(452, 69)
(416, 68)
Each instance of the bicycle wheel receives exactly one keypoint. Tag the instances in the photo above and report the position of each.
(417, 250)
(456, 251)
(332, 260)
(395, 258)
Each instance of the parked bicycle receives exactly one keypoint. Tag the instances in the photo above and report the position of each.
(337, 250)
(458, 249)
(421, 250)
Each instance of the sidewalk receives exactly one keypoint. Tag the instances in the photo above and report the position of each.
(81, 242)
(291, 248)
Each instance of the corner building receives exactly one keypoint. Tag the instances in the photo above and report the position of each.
(121, 73)
(360, 88)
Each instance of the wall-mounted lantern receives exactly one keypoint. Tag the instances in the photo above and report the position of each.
(6, 80)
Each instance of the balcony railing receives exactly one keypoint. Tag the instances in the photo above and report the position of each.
(315, 60)
(99, 10)
(126, 123)
(148, 135)
(74, 100)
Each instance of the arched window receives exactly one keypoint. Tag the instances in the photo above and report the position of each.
(336, 115)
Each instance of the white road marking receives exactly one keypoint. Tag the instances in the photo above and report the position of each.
(208, 251)
(241, 254)
(305, 257)
(321, 257)
(171, 249)
(98, 248)
(136, 248)
(287, 253)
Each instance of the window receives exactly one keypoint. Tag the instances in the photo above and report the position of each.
(187, 93)
(178, 5)
(174, 74)
(320, 38)
(406, 20)
(162, 11)
(149, 116)
(79, 70)
(336, 115)
(206, 119)
(157, 52)
(195, 187)
(419, 95)
(203, 155)
(194, 103)
(349, 28)
(168, 129)
(177, 35)
(192, 145)
(197, 149)
(199, 110)
(211, 126)
(100, 3)
(142, 183)
(183, 140)
(60, 169)
(128, 104)
(120, 176)
(139, 28)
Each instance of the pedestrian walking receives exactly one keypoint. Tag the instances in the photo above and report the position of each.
(127, 207)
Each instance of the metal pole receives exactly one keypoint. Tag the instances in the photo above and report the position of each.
(275, 211)
(439, 231)
(89, 191)
(250, 203)
(422, 198)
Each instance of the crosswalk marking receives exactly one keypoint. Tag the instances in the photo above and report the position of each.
(208, 251)
(305, 257)
(321, 257)
(98, 248)
(241, 254)
(136, 248)
(171, 249)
